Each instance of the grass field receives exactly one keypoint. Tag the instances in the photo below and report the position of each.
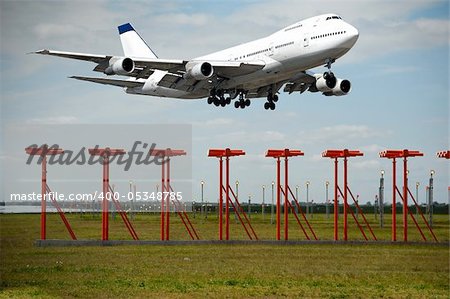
(192, 271)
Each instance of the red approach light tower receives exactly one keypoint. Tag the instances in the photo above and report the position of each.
(220, 154)
(278, 154)
(43, 152)
(108, 193)
(405, 154)
(345, 154)
(166, 190)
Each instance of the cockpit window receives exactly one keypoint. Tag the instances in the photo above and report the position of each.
(334, 17)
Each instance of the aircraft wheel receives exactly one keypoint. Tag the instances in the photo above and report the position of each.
(242, 104)
(266, 105)
(275, 98)
(236, 104)
(210, 100)
(216, 102)
(247, 102)
(272, 106)
(228, 100)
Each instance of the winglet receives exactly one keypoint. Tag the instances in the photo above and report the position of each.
(125, 28)
(43, 52)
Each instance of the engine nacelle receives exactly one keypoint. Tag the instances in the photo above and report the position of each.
(324, 83)
(342, 88)
(120, 66)
(199, 70)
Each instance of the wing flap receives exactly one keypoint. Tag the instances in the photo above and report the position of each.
(229, 69)
(114, 82)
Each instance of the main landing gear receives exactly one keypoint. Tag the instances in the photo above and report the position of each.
(271, 100)
(242, 102)
(218, 98)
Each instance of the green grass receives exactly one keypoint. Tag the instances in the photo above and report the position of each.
(192, 271)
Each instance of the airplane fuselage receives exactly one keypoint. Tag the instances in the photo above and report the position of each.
(296, 48)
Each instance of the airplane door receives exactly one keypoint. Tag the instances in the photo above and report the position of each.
(306, 40)
(271, 49)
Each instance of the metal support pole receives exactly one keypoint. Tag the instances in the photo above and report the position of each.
(227, 194)
(430, 199)
(105, 224)
(236, 200)
(168, 199)
(394, 204)
(43, 198)
(345, 201)
(417, 199)
(220, 198)
(278, 199)
(271, 207)
(201, 212)
(286, 198)
(405, 199)
(307, 199)
(263, 199)
(381, 199)
(163, 187)
(336, 206)
(249, 206)
(131, 203)
(327, 201)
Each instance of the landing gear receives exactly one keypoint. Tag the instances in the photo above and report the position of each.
(242, 102)
(271, 100)
(329, 76)
(218, 98)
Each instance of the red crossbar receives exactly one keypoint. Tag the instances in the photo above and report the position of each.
(225, 153)
(443, 154)
(390, 154)
(276, 153)
(341, 153)
(167, 152)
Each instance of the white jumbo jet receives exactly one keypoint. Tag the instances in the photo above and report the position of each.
(256, 69)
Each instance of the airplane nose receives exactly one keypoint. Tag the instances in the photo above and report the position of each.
(353, 35)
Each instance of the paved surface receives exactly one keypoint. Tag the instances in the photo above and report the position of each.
(64, 243)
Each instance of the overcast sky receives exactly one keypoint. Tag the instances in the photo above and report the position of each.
(399, 70)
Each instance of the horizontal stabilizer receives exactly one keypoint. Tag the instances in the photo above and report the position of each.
(106, 81)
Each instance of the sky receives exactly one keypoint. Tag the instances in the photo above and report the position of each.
(399, 69)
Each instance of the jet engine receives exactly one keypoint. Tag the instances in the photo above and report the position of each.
(199, 70)
(342, 88)
(324, 82)
(120, 66)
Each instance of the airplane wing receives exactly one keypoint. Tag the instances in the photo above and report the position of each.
(114, 82)
(223, 70)
(144, 67)
(300, 82)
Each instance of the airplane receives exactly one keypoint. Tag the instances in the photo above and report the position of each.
(256, 69)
